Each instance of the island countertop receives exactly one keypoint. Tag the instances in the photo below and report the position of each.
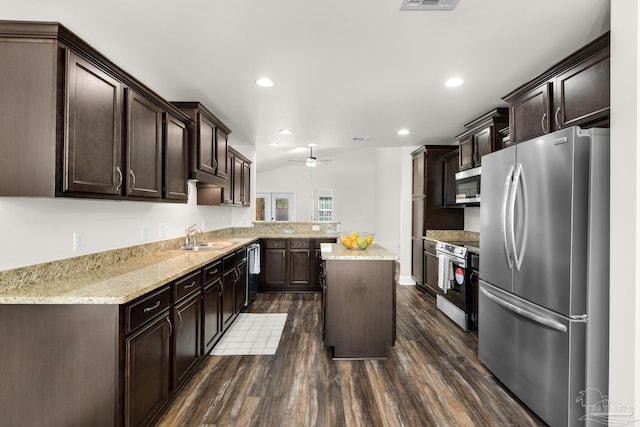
(336, 251)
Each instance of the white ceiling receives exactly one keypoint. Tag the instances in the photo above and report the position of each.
(342, 68)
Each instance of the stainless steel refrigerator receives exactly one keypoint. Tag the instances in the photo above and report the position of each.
(544, 289)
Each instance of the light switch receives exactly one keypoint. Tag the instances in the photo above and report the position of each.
(78, 242)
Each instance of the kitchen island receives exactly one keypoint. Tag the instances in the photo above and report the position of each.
(359, 301)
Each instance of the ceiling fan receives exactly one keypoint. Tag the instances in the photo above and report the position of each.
(311, 161)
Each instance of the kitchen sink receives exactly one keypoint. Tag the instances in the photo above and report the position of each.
(209, 246)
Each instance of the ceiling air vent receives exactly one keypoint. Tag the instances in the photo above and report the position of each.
(428, 4)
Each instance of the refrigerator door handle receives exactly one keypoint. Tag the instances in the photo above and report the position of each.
(525, 218)
(550, 323)
(512, 210)
(505, 198)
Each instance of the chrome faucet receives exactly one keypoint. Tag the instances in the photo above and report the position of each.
(191, 236)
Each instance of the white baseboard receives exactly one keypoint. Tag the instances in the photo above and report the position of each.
(406, 280)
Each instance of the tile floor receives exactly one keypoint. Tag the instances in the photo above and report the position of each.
(252, 334)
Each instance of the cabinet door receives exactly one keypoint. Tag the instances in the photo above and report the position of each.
(529, 115)
(417, 188)
(275, 267)
(212, 314)
(300, 271)
(482, 144)
(227, 188)
(450, 168)
(581, 94)
(221, 153)
(188, 332)
(246, 184)
(207, 146)
(241, 287)
(147, 371)
(176, 160)
(236, 181)
(229, 279)
(144, 147)
(93, 142)
(466, 153)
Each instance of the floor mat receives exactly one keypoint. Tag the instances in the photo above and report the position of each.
(252, 334)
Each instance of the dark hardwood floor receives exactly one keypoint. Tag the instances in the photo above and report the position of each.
(432, 377)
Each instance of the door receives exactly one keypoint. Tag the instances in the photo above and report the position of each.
(241, 286)
(496, 263)
(482, 144)
(539, 355)
(188, 329)
(275, 267)
(229, 279)
(176, 160)
(275, 207)
(93, 142)
(237, 181)
(551, 205)
(144, 147)
(300, 265)
(207, 151)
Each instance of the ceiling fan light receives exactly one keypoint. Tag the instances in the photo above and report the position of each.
(311, 162)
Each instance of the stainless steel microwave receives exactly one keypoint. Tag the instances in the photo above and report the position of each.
(468, 186)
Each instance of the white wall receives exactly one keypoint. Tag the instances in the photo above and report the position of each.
(624, 349)
(370, 190)
(472, 219)
(36, 230)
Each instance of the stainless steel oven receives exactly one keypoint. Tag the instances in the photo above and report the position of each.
(455, 296)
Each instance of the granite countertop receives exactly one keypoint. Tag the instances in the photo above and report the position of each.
(119, 276)
(120, 282)
(336, 251)
(470, 238)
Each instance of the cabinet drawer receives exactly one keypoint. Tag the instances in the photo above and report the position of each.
(241, 255)
(212, 272)
(300, 244)
(229, 262)
(319, 242)
(187, 285)
(275, 244)
(140, 312)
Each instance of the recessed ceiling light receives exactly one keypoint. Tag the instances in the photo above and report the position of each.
(454, 82)
(286, 131)
(274, 144)
(403, 132)
(264, 82)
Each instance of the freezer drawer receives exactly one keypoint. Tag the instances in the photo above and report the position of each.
(537, 354)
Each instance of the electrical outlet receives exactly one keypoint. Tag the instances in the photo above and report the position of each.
(145, 233)
(78, 242)
(315, 227)
(163, 231)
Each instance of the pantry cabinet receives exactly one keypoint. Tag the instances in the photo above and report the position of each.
(573, 92)
(74, 124)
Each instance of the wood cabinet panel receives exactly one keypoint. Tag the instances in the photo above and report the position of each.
(144, 147)
(206, 152)
(221, 153)
(483, 144)
(466, 153)
(240, 292)
(148, 371)
(450, 164)
(212, 314)
(529, 115)
(93, 144)
(176, 159)
(300, 267)
(188, 333)
(229, 279)
(275, 267)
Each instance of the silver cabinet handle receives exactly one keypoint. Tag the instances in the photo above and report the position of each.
(191, 285)
(121, 178)
(133, 180)
(214, 164)
(556, 117)
(544, 119)
(153, 307)
(180, 319)
(170, 327)
(525, 313)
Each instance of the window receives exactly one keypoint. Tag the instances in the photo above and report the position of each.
(322, 205)
(275, 207)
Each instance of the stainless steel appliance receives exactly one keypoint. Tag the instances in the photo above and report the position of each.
(455, 294)
(544, 290)
(468, 186)
(253, 269)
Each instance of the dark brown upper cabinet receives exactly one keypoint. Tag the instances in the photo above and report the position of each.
(573, 92)
(483, 136)
(235, 190)
(144, 147)
(450, 165)
(208, 145)
(74, 124)
(176, 159)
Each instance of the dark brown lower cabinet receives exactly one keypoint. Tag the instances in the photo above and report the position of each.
(360, 308)
(147, 382)
(212, 299)
(188, 334)
(240, 292)
(229, 279)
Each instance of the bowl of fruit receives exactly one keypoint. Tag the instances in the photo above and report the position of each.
(357, 240)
